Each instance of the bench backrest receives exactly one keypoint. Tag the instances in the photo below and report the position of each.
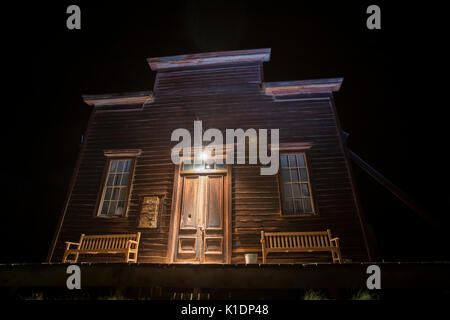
(287, 240)
(106, 242)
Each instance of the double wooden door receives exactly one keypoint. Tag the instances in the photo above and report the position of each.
(200, 235)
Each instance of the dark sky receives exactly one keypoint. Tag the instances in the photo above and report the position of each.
(391, 102)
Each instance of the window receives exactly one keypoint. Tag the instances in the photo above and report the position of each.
(116, 188)
(204, 166)
(296, 187)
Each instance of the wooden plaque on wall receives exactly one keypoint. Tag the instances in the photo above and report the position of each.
(149, 212)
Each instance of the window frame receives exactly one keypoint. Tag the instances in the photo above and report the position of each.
(109, 159)
(314, 212)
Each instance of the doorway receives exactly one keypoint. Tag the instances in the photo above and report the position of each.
(200, 228)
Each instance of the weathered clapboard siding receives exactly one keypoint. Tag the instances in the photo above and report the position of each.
(225, 96)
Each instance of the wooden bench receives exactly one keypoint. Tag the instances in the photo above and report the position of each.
(300, 242)
(127, 244)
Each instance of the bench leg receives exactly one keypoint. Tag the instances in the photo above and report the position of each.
(65, 260)
(134, 255)
(129, 255)
(338, 251)
(336, 255)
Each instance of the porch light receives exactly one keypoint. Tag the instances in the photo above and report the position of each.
(209, 165)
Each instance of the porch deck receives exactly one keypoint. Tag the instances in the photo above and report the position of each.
(220, 276)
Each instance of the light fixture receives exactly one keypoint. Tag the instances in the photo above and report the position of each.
(210, 164)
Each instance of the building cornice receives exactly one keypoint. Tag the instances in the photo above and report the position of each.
(302, 86)
(209, 58)
(125, 98)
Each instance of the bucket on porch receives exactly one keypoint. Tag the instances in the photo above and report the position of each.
(251, 258)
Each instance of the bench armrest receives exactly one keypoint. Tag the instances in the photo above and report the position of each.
(68, 244)
(131, 242)
(335, 240)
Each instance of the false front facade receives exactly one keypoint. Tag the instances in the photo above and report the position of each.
(213, 210)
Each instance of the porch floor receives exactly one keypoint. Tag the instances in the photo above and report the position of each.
(219, 276)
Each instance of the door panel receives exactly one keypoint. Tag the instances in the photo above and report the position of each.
(213, 238)
(189, 236)
(214, 214)
(214, 245)
(189, 210)
(200, 235)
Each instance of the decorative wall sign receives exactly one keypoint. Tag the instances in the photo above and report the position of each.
(149, 212)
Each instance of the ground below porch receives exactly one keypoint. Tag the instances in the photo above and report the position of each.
(217, 281)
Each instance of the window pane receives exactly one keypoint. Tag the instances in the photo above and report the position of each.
(188, 167)
(307, 204)
(289, 208)
(305, 189)
(112, 208)
(110, 180)
(298, 206)
(125, 178)
(220, 166)
(113, 166)
(285, 175)
(105, 207)
(303, 174)
(300, 160)
(123, 193)
(296, 190)
(120, 166)
(287, 191)
(284, 162)
(127, 166)
(115, 194)
(120, 208)
(108, 194)
(292, 161)
(294, 175)
(117, 178)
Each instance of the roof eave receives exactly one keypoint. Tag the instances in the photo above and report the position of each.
(125, 98)
(303, 86)
(209, 59)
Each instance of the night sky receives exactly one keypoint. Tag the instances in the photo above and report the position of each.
(392, 101)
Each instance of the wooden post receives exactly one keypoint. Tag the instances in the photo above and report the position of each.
(263, 245)
(138, 240)
(79, 246)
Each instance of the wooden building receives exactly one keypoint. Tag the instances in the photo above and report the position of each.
(126, 182)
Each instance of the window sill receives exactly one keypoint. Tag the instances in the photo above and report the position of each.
(303, 215)
(111, 217)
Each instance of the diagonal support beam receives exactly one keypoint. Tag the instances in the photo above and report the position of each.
(377, 176)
